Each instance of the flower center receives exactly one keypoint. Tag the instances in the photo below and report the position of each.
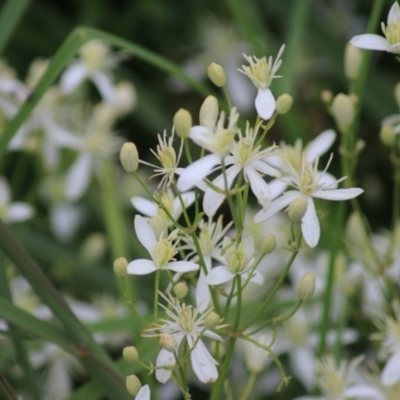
(163, 252)
(334, 383)
(244, 151)
(293, 157)
(167, 157)
(94, 54)
(223, 141)
(261, 71)
(186, 319)
(392, 32)
(307, 180)
(237, 262)
(206, 243)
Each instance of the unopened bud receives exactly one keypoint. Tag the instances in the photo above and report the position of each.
(343, 111)
(297, 208)
(93, 248)
(130, 354)
(217, 349)
(217, 74)
(182, 123)
(387, 135)
(306, 288)
(268, 244)
(397, 94)
(209, 112)
(120, 266)
(352, 61)
(181, 290)
(133, 384)
(326, 96)
(212, 320)
(159, 226)
(129, 157)
(168, 342)
(354, 233)
(284, 103)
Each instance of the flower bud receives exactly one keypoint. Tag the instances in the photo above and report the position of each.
(387, 135)
(217, 349)
(343, 111)
(159, 226)
(130, 354)
(354, 233)
(284, 103)
(297, 208)
(209, 112)
(212, 320)
(352, 61)
(133, 384)
(397, 94)
(125, 97)
(120, 266)
(326, 96)
(168, 342)
(268, 244)
(181, 290)
(306, 288)
(93, 248)
(129, 157)
(182, 123)
(217, 74)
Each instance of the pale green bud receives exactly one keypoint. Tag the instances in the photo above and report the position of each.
(217, 74)
(129, 157)
(297, 208)
(397, 94)
(284, 103)
(306, 288)
(268, 244)
(120, 266)
(217, 349)
(343, 111)
(93, 248)
(352, 61)
(182, 123)
(133, 384)
(209, 112)
(355, 233)
(168, 342)
(326, 96)
(181, 290)
(212, 320)
(159, 226)
(387, 135)
(130, 354)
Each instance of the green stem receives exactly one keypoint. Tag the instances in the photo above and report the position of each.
(340, 328)
(8, 391)
(157, 287)
(249, 386)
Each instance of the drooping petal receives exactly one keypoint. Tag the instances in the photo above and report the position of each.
(18, 212)
(78, 177)
(164, 358)
(182, 266)
(219, 275)
(337, 194)
(371, 42)
(310, 225)
(145, 234)
(202, 363)
(265, 103)
(73, 77)
(320, 145)
(394, 13)
(144, 206)
(104, 85)
(141, 267)
(259, 187)
(144, 393)
(197, 171)
(277, 205)
(391, 371)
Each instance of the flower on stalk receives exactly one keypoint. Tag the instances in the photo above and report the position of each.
(391, 43)
(185, 321)
(309, 183)
(161, 250)
(239, 261)
(262, 73)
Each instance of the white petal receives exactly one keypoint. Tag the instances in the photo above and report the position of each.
(337, 194)
(145, 234)
(17, 212)
(144, 393)
(363, 392)
(259, 187)
(197, 171)
(198, 133)
(72, 77)
(63, 138)
(394, 13)
(202, 363)
(277, 205)
(188, 199)
(393, 119)
(5, 196)
(65, 220)
(302, 363)
(203, 295)
(219, 275)
(144, 206)
(320, 145)
(327, 181)
(277, 187)
(370, 42)
(78, 177)
(264, 168)
(164, 358)
(391, 371)
(310, 225)
(265, 103)
(256, 278)
(182, 266)
(104, 85)
(248, 246)
(141, 267)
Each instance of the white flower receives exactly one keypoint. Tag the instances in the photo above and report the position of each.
(256, 357)
(391, 31)
(309, 183)
(144, 393)
(262, 73)
(186, 322)
(161, 252)
(239, 261)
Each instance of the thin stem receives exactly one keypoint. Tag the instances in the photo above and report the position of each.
(228, 97)
(156, 289)
(249, 386)
(9, 392)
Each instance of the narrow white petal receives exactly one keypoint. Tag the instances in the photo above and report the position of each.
(256, 278)
(265, 103)
(219, 275)
(198, 133)
(182, 266)
(65, 220)
(310, 225)
(78, 177)
(302, 363)
(64, 138)
(327, 181)
(393, 119)
(202, 363)
(320, 145)
(73, 77)
(164, 358)
(394, 13)
(277, 205)
(197, 171)
(145, 234)
(264, 168)
(144, 393)
(370, 42)
(18, 212)
(104, 85)
(337, 194)
(203, 295)
(212, 335)
(259, 187)
(363, 392)
(248, 245)
(277, 187)
(141, 267)
(144, 206)
(391, 371)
